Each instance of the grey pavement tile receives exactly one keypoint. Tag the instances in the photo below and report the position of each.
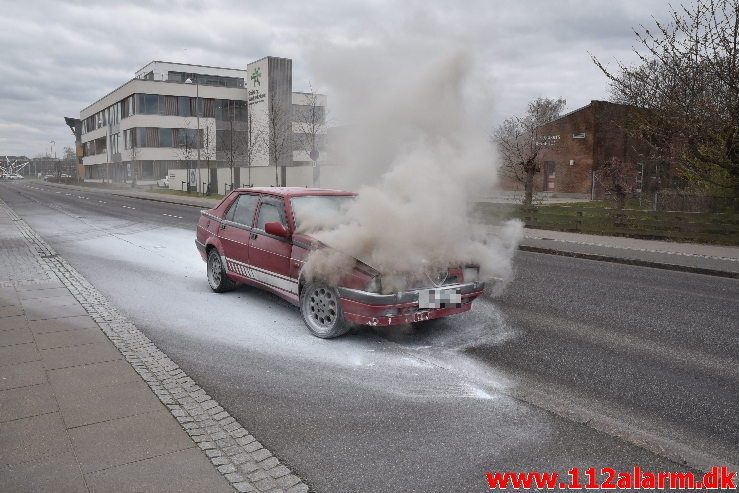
(40, 285)
(186, 470)
(11, 311)
(79, 355)
(90, 376)
(59, 474)
(10, 323)
(98, 404)
(11, 337)
(68, 338)
(120, 441)
(43, 293)
(56, 301)
(32, 438)
(46, 312)
(27, 401)
(59, 324)
(20, 353)
(8, 297)
(13, 376)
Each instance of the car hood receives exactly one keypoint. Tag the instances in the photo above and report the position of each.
(311, 243)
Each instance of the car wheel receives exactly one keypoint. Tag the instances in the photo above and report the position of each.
(217, 278)
(321, 310)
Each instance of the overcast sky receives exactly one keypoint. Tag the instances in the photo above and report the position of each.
(59, 56)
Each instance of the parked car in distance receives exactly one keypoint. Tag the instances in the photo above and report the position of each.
(252, 237)
(164, 182)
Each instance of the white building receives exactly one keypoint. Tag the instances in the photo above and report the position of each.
(190, 122)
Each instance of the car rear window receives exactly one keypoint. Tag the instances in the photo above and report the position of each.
(242, 211)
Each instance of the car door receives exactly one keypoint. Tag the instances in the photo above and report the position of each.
(235, 232)
(269, 255)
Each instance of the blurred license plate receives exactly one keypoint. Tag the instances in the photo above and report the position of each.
(439, 298)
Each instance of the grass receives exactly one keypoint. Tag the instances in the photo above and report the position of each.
(168, 191)
(600, 218)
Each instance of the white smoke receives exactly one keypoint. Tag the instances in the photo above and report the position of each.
(418, 159)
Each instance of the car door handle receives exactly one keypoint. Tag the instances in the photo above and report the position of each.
(254, 236)
(223, 225)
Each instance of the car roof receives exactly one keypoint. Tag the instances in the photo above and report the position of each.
(294, 191)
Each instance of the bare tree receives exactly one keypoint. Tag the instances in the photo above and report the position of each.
(279, 133)
(619, 179)
(520, 139)
(687, 83)
(207, 152)
(310, 120)
(187, 144)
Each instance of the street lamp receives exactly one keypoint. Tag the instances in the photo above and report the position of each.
(197, 118)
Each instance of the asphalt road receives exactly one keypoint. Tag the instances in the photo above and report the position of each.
(577, 363)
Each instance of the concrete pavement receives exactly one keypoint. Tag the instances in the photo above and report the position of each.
(76, 414)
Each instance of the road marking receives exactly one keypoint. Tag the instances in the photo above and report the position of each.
(102, 202)
(172, 215)
(128, 207)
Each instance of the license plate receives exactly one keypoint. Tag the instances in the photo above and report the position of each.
(439, 298)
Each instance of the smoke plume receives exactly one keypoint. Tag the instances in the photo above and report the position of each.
(415, 150)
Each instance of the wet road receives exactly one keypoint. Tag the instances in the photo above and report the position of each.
(578, 363)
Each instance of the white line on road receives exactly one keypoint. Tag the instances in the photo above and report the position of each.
(128, 207)
(172, 215)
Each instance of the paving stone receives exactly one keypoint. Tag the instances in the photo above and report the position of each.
(50, 340)
(43, 293)
(19, 353)
(287, 481)
(234, 477)
(11, 311)
(50, 302)
(269, 463)
(79, 355)
(8, 323)
(252, 446)
(32, 438)
(183, 471)
(227, 468)
(37, 286)
(244, 487)
(249, 467)
(298, 488)
(120, 441)
(21, 375)
(22, 335)
(92, 375)
(260, 454)
(265, 484)
(278, 471)
(59, 324)
(59, 474)
(27, 401)
(96, 404)
(45, 312)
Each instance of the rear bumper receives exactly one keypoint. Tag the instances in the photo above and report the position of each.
(201, 249)
(362, 307)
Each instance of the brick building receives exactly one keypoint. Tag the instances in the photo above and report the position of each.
(578, 142)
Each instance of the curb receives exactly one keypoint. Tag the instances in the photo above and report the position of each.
(236, 454)
(631, 261)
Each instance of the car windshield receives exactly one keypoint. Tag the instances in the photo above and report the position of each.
(316, 212)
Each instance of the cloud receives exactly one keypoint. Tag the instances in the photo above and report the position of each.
(60, 56)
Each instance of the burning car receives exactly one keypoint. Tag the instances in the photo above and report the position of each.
(254, 236)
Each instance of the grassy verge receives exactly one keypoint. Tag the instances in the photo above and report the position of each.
(180, 193)
(600, 218)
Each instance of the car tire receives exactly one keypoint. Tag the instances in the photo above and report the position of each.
(217, 278)
(321, 310)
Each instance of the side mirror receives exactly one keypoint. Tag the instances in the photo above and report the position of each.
(277, 229)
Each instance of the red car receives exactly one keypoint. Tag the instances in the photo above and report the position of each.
(251, 238)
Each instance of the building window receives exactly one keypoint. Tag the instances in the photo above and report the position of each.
(184, 106)
(165, 137)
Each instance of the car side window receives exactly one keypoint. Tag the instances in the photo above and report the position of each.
(242, 212)
(269, 212)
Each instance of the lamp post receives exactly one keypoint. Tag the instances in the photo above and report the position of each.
(197, 119)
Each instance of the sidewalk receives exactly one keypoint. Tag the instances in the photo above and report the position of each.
(88, 403)
(688, 257)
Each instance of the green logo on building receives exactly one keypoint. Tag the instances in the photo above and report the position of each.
(255, 76)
